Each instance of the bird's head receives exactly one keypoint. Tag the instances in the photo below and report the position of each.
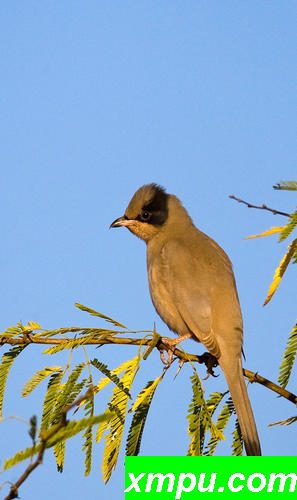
(146, 213)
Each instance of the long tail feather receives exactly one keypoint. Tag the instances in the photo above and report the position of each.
(239, 394)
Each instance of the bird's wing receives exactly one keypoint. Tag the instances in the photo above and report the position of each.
(190, 294)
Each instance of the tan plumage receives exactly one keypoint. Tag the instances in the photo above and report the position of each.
(193, 289)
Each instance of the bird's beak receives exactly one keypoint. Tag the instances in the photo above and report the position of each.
(122, 221)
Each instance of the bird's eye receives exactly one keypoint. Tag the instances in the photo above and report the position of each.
(145, 215)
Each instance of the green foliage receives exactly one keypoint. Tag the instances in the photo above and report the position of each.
(153, 343)
(288, 421)
(200, 417)
(6, 363)
(288, 358)
(62, 434)
(88, 434)
(37, 378)
(222, 421)
(68, 393)
(100, 315)
(59, 452)
(33, 428)
(280, 271)
(237, 444)
(112, 376)
(290, 353)
(70, 344)
(287, 185)
(11, 332)
(289, 228)
(67, 389)
(22, 455)
(140, 408)
(64, 396)
(120, 400)
(50, 399)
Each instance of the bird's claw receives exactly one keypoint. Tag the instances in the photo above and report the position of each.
(210, 362)
(180, 365)
(171, 345)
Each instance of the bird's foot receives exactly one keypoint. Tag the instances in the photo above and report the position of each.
(170, 345)
(210, 362)
(170, 348)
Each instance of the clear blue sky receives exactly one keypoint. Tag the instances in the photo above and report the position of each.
(98, 98)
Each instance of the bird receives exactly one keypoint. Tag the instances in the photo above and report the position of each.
(193, 289)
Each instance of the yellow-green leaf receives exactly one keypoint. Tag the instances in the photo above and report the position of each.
(100, 315)
(145, 393)
(7, 360)
(37, 378)
(279, 272)
(118, 400)
(288, 358)
(102, 427)
(272, 230)
(34, 325)
(143, 401)
(289, 227)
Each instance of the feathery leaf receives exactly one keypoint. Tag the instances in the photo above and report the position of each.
(221, 424)
(288, 358)
(268, 232)
(33, 428)
(70, 344)
(37, 378)
(59, 452)
(33, 325)
(141, 408)
(146, 393)
(288, 421)
(114, 378)
(104, 381)
(289, 227)
(237, 444)
(102, 427)
(287, 185)
(199, 417)
(68, 394)
(114, 438)
(88, 434)
(11, 332)
(6, 363)
(96, 313)
(153, 343)
(50, 399)
(279, 272)
(69, 430)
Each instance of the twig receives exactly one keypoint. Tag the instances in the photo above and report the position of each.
(182, 355)
(260, 207)
(13, 492)
(255, 377)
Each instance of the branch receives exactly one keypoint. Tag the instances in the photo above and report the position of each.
(13, 493)
(181, 355)
(262, 207)
(255, 377)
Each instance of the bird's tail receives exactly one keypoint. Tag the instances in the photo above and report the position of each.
(239, 394)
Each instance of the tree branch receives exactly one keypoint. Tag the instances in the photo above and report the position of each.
(181, 355)
(13, 492)
(261, 207)
(255, 377)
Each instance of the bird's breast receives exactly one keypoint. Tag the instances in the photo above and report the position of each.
(162, 297)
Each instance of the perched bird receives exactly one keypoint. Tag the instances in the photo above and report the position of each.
(193, 289)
